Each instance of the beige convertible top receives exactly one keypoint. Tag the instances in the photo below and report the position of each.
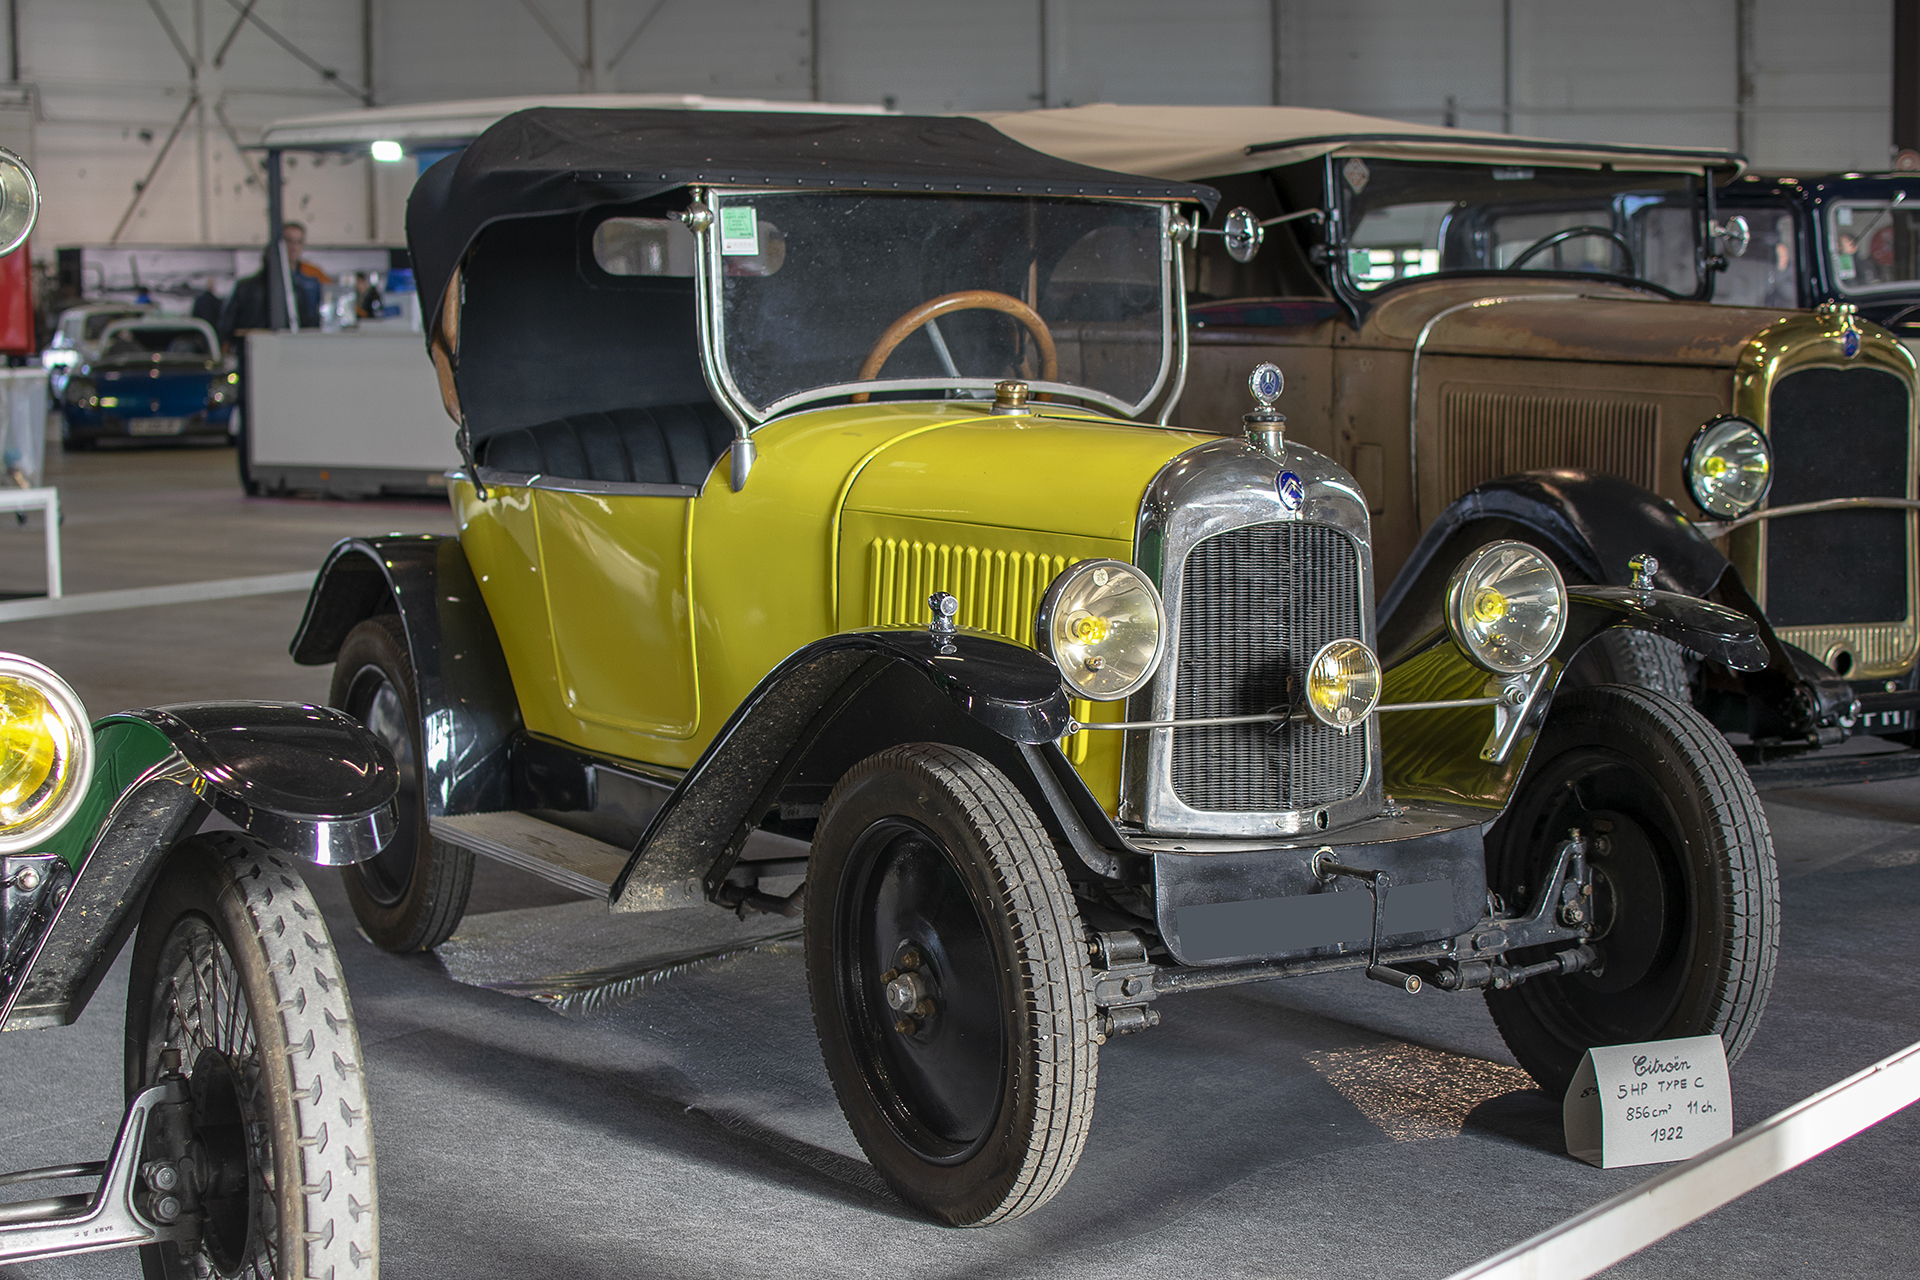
(1193, 143)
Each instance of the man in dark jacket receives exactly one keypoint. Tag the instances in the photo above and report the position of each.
(248, 306)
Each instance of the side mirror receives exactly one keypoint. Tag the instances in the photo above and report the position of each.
(1734, 235)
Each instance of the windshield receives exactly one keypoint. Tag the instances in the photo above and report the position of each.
(96, 324)
(819, 294)
(1768, 273)
(1874, 245)
(155, 343)
(1410, 218)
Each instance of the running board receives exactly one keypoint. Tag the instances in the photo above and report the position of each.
(580, 863)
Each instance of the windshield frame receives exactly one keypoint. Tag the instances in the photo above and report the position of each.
(710, 310)
(1338, 202)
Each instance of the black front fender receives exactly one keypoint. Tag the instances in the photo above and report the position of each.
(1589, 525)
(825, 707)
(469, 713)
(306, 780)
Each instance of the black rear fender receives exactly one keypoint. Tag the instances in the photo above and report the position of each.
(468, 710)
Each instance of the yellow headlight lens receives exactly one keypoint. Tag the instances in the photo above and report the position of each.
(1507, 606)
(1729, 467)
(1343, 684)
(46, 750)
(1103, 625)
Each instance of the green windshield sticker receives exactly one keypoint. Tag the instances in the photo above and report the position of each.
(739, 231)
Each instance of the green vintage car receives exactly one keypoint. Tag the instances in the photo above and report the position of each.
(246, 1148)
(817, 483)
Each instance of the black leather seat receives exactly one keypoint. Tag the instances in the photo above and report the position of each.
(666, 444)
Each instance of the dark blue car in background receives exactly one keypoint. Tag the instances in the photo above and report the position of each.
(154, 378)
(1846, 238)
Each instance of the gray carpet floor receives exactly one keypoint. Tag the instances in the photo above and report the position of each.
(1322, 1127)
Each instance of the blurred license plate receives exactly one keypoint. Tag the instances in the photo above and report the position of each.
(156, 426)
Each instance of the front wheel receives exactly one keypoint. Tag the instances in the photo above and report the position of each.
(1686, 898)
(950, 984)
(236, 986)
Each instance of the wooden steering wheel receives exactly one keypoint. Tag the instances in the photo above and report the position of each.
(965, 300)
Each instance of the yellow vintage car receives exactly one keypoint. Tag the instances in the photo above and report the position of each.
(1517, 337)
(818, 482)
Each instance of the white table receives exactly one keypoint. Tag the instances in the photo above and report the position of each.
(47, 500)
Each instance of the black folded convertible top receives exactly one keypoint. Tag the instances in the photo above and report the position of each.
(562, 159)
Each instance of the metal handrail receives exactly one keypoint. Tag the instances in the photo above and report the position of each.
(1593, 1241)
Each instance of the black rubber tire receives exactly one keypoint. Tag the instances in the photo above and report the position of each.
(229, 917)
(897, 818)
(1686, 893)
(1637, 658)
(411, 895)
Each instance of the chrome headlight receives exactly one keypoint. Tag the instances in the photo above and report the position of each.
(1103, 625)
(1729, 466)
(46, 752)
(1507, 606)
(1343, 684)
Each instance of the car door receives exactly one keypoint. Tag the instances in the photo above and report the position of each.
(614, 564)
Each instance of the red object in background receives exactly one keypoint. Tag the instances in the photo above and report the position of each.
(16, 303)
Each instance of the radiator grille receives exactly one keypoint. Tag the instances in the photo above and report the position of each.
(1487, 434)
(1255, 605)
(998, 590)
(1838, 433)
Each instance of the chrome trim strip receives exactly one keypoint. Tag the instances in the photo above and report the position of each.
(1721, 529)
(786, 403)
(706, 313)
(1274, 718)
(562, 484)
(1180, 307)
(1413, 382)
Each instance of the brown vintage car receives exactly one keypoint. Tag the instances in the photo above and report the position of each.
(1513, 337)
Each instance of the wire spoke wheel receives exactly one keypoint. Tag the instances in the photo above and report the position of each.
(1685, 894)
(235, 986)
(949, 976)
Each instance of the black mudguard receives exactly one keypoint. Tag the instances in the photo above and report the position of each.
(468, 709)
(1591, 526)
(837, 701)
(305, 780)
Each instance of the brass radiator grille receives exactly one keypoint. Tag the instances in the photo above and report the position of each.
(1487, 434)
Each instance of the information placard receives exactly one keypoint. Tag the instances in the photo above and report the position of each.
(1649, 1103)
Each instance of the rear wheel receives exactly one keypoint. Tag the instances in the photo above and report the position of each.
(235, 985)
(1686, 905)
(411, 895)
(950, 984)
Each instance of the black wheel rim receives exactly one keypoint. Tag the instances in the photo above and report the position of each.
(1644, 930)
(201, 1012)
(373, 700)
(938, 1074)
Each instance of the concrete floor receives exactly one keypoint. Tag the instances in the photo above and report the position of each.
(1318, 1127)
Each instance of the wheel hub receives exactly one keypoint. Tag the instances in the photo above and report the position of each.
(219, 1160)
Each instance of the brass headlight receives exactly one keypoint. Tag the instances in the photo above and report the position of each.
(1103, 625)
(46, 752)
(1729, 466)
(1507, 606)
(1343, 684)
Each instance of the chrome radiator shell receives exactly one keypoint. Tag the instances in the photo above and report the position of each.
(1210, 490)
